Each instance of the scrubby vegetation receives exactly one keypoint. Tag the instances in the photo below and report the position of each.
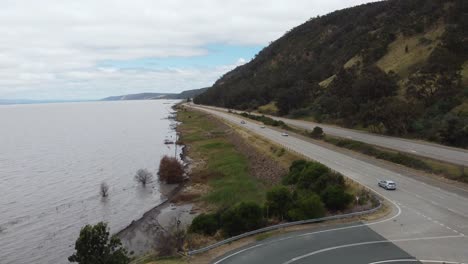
(311, 189)
(171, 170)
(265, 120)
(394, 67)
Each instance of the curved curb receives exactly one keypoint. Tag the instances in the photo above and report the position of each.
(274, 227)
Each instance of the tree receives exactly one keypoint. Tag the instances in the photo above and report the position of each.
(171, 170)
(307, 206)
(317, 132)
(206, 224)
(94, 246)
(278, 201)
(335, 198)
(143, 176)
(243, 217)
(104, 189)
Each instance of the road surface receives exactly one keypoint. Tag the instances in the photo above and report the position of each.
(431, 150)
(427, 222)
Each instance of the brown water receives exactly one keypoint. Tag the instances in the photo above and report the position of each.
(53, 158)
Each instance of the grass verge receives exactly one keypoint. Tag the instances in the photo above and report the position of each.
(225, 169)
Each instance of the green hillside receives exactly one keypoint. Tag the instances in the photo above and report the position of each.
(397, 67)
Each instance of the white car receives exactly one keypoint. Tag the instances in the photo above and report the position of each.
(387, 185)
(262, 126)
(284, 134)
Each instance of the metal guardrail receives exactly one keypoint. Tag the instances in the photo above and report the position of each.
(270, 228)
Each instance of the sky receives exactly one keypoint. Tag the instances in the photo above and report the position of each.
(90, 49)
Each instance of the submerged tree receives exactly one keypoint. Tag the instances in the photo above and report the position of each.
(104, 189)
(143, 176)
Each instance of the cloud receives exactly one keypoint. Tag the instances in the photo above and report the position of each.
(54, 48)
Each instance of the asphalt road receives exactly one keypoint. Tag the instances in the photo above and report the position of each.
(422, 148)
(428, 222)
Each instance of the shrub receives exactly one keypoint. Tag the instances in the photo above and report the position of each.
(327, 179)
(170, 240)
(294, 171)
(278, 201)
(206, 224)
(310, 174)
(143, 176)
(243, 217)
(307, 206)
(94, 246)
(335, 198)
(317, 132)
(171, 170)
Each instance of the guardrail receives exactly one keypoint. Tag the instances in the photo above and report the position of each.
(274, 227)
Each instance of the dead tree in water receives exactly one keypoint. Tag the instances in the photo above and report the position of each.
(104, 189)
(143, 176)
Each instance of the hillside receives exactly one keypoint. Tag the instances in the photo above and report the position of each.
(152, 96)
(397, 67)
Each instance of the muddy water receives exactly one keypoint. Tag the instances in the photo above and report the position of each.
(53, 158)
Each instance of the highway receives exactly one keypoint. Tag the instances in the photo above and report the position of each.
(428, 222)
(426, 149)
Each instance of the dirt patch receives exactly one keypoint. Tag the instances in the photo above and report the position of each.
(260, 165)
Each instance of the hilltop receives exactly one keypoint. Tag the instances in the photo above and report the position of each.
(396, 67)
(153, 96)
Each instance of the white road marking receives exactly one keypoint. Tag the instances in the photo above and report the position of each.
(415, 260)
(366, 243)
(238, 252)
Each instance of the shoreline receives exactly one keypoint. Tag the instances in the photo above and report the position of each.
(140, 235)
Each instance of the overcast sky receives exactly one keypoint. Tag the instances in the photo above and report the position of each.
(88, 49)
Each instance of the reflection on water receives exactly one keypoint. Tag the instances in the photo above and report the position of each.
(53, 158)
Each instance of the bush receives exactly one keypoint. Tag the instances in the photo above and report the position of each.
(94, 246)
(335, 198)
(170, 240)
(307, 206)
(243, 217)
(328, 179)
(206, 224)
(317, 132)
(171, 170)
(278, 201)
(310, 174)
(294, 171)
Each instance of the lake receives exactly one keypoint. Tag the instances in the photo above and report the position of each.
(53, 158)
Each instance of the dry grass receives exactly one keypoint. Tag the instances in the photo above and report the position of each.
(268, 109)
(353, 61)
(327, 81)
(402, 63)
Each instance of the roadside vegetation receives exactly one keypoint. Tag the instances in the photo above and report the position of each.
(95, 245)
(450, 171)
(239, 202)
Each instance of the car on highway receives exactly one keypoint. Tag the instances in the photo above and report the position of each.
(387, 185)
(262, 126)
(242, 122)
(284, 134)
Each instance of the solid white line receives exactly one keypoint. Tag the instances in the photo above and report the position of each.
(365, 243)
(316, 232)
(415, 260)
(238, 252)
